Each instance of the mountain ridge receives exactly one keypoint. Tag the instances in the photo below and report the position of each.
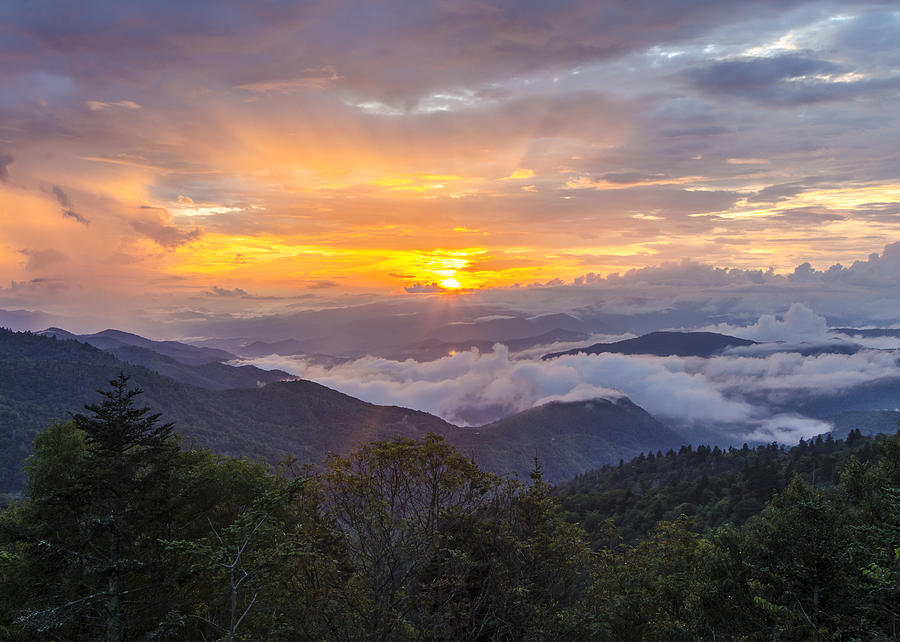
(663, 344)
(43, 378)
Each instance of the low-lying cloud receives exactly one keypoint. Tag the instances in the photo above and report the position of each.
(800, 323)
(752, 393)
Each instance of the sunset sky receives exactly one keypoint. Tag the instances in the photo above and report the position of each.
(248, 152)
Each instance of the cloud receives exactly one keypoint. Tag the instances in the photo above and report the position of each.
(39, 259)
(788, 428)
(61, 196)
(319, 284)
(775, 193)
(785, 79)
(258, 111)
(228, 293)
(755, 77)
(96, 105)
(155, 227)
(519, 174)
(423, 288)
(731, 392)
(800, 323)
(63, 199)
(876, 271)
(686, 272)
(5, 161)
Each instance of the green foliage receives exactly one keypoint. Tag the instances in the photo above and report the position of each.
(712, 486)
(100, 490)
(802, 565)
(442, 550)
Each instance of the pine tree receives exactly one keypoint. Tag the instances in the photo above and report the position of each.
(92, 527)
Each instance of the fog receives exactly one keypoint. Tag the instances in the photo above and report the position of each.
(733, 389)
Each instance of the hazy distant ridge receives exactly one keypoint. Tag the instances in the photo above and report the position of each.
(664, 344)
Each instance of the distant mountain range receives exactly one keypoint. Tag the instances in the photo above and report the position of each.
(247, 411)
(664, 344)
(426, 350)
(43, 378)
(870, 332)
(435, 349)
(197, 366)
(868, 422)
(110, 340)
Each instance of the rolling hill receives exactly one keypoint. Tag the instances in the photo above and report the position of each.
(42, 379)
(197, 366)
(110, 340)
(664, 344)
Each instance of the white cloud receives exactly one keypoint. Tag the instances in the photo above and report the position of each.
(800, 323)
(736, 392)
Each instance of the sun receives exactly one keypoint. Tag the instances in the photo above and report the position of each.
(450, 284)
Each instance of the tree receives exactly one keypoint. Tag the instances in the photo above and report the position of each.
(391, 498)
(875, 493)
(441, 550)
(803, 565)
(99, 498)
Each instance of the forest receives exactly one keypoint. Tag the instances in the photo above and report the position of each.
(126, 532)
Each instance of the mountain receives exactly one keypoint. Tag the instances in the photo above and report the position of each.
(435, 349)
(711, 485)
(115, 339)
(42, 379)
(182, 362)
(263, 349)
(880, 394)
(664, 344)
(212, 375)
(505, 328)
(569, 437)
(872, 332)
(870, 422)
(23, 320)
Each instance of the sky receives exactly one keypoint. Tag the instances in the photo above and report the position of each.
(239, 156)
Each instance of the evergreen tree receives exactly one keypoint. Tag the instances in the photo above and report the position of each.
(93, 520)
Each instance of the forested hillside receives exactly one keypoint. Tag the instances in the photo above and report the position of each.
(711, 486)
(43, 379)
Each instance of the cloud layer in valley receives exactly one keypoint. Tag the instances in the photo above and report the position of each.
(752, 394)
